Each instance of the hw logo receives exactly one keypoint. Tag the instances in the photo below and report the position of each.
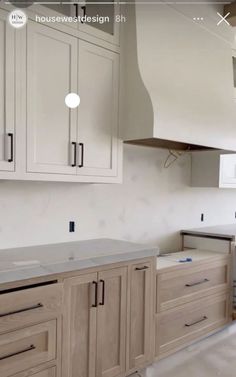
(17, 18)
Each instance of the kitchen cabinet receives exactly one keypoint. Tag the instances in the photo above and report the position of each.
(30, 330)
(213, 169)
(98, 111)
(94, 326)
(140, 316)
(192, 300)
(108, 30)
(7, 95)
(104, 29)
(51, 125)
(78, 143)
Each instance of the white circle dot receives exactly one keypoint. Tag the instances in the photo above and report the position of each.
(72, 100)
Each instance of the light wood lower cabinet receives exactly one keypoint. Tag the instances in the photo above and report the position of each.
(95, 324)
(49, 372)
(140, 315)
(177, 327)
(27, 348)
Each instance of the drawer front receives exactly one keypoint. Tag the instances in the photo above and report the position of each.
(28, 306)
(176, 327)
(50, 372)
(183, 285)
(27, 348)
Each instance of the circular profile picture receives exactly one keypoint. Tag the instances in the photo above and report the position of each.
(17, 18)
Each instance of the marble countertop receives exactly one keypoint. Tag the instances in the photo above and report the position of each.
(37, 261)
(171, 260)
(227, 232)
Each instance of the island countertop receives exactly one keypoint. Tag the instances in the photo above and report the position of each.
(45, 260)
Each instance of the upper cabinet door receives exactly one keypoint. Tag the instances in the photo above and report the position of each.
(51, 75)
(98, 111)
(111, 322)
(7, 96)
(106, 27)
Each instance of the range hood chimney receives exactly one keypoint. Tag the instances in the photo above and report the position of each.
(177, 79)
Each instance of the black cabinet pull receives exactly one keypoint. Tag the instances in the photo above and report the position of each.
(39, 305)
(197, 283)
(141, 268)
(76, 10)
(103, 292)
(11, 147)
(84, 12)
(95, 295)
(81, 145)
(196, 322)
(74, 154)
(30, 348)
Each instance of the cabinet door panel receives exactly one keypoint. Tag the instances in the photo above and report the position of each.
(140, 315)
(98, 110)
(80, 327)
(7, 101)
(51, 74)
(107, 31)
(111, 328)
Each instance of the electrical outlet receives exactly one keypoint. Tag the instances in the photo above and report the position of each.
(202, 217)
(71, 226)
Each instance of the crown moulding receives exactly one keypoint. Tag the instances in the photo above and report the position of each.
(231, 8)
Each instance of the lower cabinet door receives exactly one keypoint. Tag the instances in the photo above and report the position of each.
(140, 336)
(79, 332)
(27, 348)
(111, 325)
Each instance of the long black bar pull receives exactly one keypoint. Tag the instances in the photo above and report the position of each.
(81, 164)
(11, 147)
(103, 292)
(74, 155)
(95, 295)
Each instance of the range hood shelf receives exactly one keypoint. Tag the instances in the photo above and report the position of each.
(168, 144)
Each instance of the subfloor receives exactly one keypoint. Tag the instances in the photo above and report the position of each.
(211, 357)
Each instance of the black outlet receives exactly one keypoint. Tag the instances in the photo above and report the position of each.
(71, 226)
(202, 216)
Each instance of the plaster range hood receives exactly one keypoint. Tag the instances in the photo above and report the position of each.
(177, 78)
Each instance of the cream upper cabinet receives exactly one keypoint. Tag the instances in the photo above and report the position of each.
(98, 111)
(105, 13)
(51, 74)
(7, 96)
(213, 169)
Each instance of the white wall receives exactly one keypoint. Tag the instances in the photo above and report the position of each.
(151, 206)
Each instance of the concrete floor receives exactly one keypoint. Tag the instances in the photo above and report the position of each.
(211, 357)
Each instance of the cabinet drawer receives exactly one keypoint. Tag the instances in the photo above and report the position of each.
(186, 284)
(28, 306)
(177, 327)
(27, 348)
(50, 372)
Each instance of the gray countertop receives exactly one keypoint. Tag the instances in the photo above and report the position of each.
(37, 261)
(227, 232)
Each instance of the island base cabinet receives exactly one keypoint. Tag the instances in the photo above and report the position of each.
(95, 324)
